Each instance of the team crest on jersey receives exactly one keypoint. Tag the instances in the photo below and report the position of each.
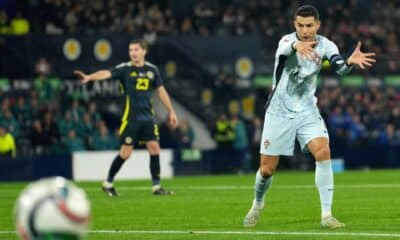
(133, 74)
(317, 59)
(128, 140)
(266, 143)
(150, 74)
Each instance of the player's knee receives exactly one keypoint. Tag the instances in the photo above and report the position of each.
(267, 171)
(154, 148)
(323, 153)
(125, 154)
(154, 151)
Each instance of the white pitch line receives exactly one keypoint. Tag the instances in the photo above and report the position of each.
(237, 187)
(245, 187)
(205, 232)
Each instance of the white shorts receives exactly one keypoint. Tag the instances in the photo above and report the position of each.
(279, 133)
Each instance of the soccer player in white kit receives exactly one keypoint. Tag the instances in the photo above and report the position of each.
(291, 110)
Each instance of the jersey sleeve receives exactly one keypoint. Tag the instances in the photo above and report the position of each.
(118, 71)
(336, 60)
(285, 46)
(157, 78)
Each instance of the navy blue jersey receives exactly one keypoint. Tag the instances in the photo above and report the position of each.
(138, 84)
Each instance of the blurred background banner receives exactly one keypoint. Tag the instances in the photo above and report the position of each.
(84, 168)
(92, 52)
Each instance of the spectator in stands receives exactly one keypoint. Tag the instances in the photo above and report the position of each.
(388, 136)
(65, 124)
(187, 27)
(11, 122)
(394, 116)
(86, 127)
(74, 143)
(337, 122)
(20, 25)
(50, 128)
(39, 140)
(223, 132)
(42, 84)
(42, 67)
(104, 140)
(7, 143)
(34, 106)
(186, 133)
(94, 115)
(240, 144)
(71, 19)
(22, 113)
(76, 111)
(357, 133)
(224, 135)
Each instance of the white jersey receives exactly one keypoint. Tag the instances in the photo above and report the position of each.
(294, 80)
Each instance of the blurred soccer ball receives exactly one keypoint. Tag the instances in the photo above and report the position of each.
(52, 208)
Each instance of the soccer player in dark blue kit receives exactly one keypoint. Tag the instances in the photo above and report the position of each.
(139, 80)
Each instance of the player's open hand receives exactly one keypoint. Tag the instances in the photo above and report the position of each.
(361, 59)
(84, 78)
(306, 49)
(173, 120)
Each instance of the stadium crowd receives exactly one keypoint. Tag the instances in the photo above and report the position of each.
(344, 22)
(362, 116)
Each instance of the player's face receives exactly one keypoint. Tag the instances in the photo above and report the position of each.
(136, 53)
(306, 28)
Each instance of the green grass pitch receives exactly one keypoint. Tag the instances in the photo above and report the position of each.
(213, 207)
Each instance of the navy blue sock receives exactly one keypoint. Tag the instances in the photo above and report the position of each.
(115, 166)
(155, 169)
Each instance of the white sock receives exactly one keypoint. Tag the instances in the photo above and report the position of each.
(156, 187)
(324, 182)
(261, 187)
(108, 184)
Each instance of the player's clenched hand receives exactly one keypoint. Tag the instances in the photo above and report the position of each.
(361, 59)
(173, 120)
(84, 78)
(305, 49)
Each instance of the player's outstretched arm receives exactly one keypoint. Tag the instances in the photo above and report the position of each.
(99, 75)
(164, 97)
(361, 59)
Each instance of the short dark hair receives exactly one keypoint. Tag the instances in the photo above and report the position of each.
(307, 11)
(143, 43)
